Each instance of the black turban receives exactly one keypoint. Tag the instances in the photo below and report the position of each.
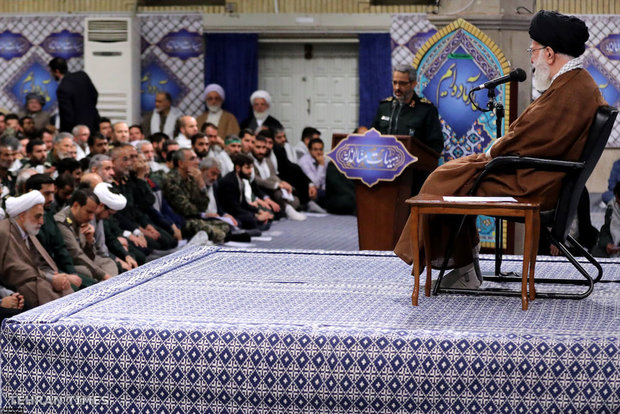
(562, 33)
(38, 97)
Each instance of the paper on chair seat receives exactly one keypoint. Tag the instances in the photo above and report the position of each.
(471, 199)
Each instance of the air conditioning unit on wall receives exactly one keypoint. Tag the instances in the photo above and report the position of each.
(112, 60)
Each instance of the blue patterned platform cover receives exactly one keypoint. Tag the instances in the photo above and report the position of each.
(240, 331)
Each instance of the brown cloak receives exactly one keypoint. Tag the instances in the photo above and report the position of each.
(554, 126)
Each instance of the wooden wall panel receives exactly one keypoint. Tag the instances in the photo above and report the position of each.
(284, 6)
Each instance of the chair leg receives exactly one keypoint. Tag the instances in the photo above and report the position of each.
(589, 280)
(498, 246)
(587, 255)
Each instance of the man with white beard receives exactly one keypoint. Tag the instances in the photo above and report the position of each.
(25, 266)
(214, 96)
(261, 103)
(554, 126)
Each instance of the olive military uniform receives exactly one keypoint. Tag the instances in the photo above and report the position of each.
(419, 119)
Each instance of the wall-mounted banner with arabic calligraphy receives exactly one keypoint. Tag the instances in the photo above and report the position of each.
(34, 77)
(452, 62)
(371, 157)
(602, 60)
(64, 44)
(13, 45)
(172, 52)
(182, 44)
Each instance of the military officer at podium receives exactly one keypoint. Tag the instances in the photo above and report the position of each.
(405, 113)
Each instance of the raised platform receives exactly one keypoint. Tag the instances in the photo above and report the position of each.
(226, 330)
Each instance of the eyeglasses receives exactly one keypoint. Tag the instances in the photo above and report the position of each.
(400, 83)
(531, 51)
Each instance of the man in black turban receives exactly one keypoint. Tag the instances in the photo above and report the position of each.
(557, 39)
(553, 126)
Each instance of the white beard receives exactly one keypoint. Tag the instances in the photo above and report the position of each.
(214, 108)
(31, 228)
(541, 79)
(261, 116)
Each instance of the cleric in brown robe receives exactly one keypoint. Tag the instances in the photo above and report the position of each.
(25, 266)
(554, 126)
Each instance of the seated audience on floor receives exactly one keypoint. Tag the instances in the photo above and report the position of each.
(135, 133)
(339, 192)
(103, 166)
(225, 122)
(81, 133)
(187, 127)
(65, 186)
(268, 181)
(279, 137)
(232, 147)
(105, 127)
(216, 143)
(34, 109)
(261, 104)
(186, 191)
(608, 244)
(69, 166)
(120, 134)
(314, 166)
(231, 195)
(614, 178)
(25, 266)
(28, 129)
(63, 147)
(37, 157)
(49, 235)
(200, 145)
(22, 177)
(292, 173)
(97, 144)
(6, 160)
(132, 218)
(77, 225)
(307, 134)
(163, 118)
(47, 136)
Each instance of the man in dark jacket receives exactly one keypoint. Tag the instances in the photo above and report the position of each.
(76, 95)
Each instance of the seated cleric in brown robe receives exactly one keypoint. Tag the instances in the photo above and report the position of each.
(554, 126)
(25, 266)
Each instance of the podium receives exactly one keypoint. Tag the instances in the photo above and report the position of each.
(381, 209)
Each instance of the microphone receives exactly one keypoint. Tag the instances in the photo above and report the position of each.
(394, 104)
(517, 74)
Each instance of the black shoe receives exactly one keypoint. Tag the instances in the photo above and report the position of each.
(241, 236)
(254, 232)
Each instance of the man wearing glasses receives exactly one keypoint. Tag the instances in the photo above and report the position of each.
(554, 126)
(405, 113)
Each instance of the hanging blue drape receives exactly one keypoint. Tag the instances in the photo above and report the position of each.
(375, 73)
(231, 60)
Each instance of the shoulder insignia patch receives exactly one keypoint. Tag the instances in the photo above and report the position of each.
(424, 100)
(388, 99)
(69, 221)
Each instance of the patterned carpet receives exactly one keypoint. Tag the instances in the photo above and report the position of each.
(324, 232)
(238, 330)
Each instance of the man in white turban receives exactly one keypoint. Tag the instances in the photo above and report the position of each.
(261, 103)
(214, 96)
(25, 266)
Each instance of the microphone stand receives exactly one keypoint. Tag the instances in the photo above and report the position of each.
(498, 107)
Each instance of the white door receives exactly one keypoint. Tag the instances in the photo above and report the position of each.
(321, 91)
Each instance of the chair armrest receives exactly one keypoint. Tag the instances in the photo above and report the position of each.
(510, 163)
